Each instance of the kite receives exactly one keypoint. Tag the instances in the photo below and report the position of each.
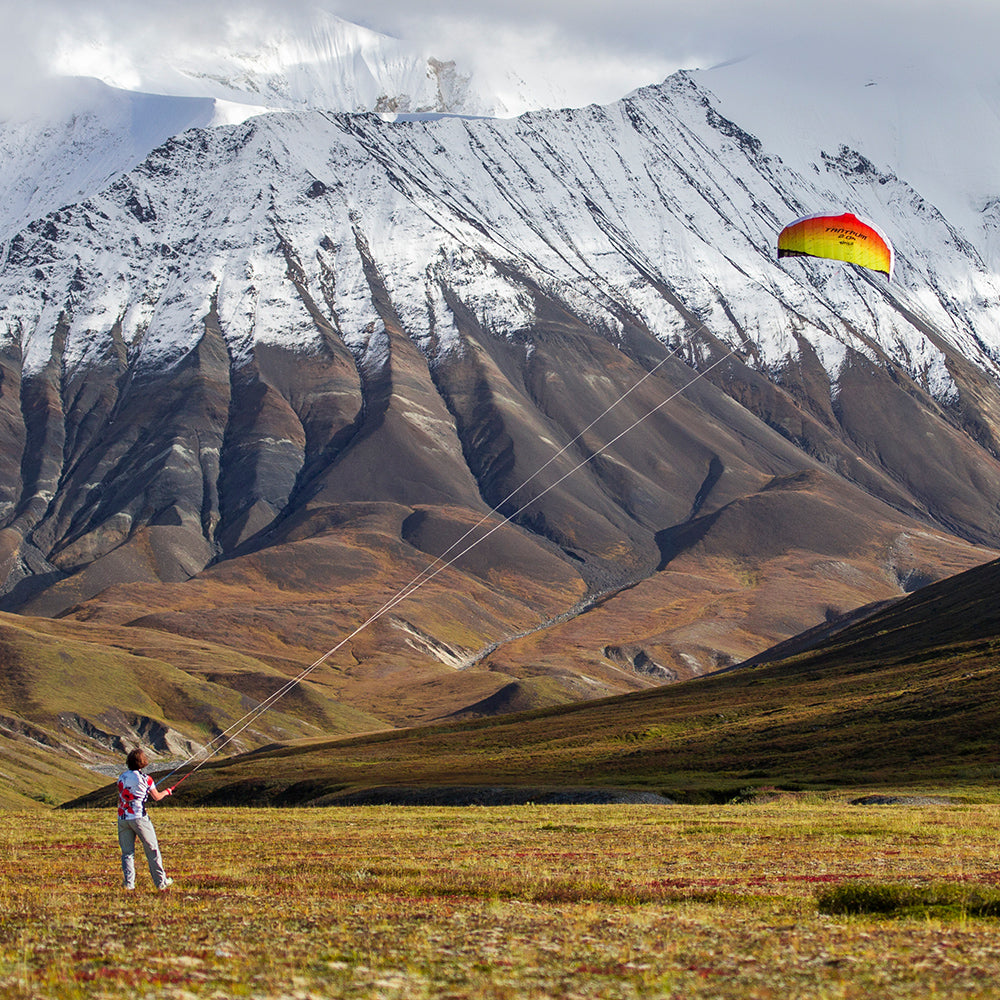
(840, 237)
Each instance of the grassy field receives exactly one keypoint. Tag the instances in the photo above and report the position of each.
(683, 901)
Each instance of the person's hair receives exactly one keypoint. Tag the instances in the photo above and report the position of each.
(137, 759)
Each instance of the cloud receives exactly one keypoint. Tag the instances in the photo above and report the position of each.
(587, 50)
(598, 50)
(21, 65)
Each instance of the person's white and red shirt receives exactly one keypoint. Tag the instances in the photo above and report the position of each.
(133, 790)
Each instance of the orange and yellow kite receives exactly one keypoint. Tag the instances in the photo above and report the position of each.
(839, 237)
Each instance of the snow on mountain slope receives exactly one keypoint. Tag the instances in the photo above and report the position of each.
(921, 116)
(108, 105)
(83, 136)
(609, 205)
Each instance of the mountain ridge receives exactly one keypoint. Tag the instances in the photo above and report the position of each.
(106, 104)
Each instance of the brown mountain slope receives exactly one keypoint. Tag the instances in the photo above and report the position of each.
(75, 696)
(702, 537)
(179, 693)
(759, 558)
(805, 549)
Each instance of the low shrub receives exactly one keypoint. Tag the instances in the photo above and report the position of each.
(941, 899)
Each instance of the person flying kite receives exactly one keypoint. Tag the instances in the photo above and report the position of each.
(134, 788)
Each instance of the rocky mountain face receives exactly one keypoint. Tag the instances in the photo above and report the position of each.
(254, 387)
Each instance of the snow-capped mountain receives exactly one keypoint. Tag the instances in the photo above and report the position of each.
(608, 205)
(108, 103)
(656, 214)
(252, 385)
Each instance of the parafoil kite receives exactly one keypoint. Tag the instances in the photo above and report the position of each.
(839, 237)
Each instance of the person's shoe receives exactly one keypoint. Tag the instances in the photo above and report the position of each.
(129, 888)
(167, 884)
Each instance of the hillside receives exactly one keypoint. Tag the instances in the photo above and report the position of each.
(904, 699)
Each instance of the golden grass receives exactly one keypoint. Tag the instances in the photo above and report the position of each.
(521, 902)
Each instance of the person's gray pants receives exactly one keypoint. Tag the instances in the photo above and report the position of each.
(128, 830)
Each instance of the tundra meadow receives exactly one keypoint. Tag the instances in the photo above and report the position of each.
(799, 896)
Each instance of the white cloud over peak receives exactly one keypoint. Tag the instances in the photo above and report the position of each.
(592, 50)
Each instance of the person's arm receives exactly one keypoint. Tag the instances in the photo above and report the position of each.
(155, 794)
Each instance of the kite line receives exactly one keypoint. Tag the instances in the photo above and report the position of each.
(433, 569)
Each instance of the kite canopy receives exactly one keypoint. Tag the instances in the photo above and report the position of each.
(839, 237)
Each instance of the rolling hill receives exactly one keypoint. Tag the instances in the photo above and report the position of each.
(903, 699)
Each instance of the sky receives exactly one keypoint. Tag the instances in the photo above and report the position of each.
(591, 50)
